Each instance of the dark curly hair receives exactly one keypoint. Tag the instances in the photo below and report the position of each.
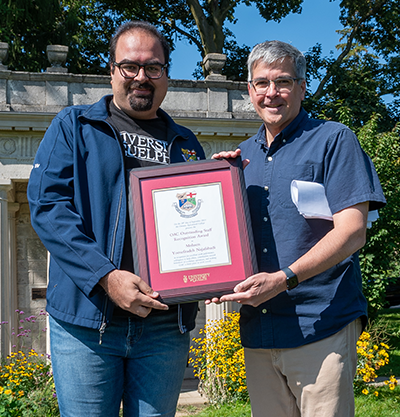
(137, 25)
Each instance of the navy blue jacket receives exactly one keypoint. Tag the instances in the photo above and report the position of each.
(78, 199)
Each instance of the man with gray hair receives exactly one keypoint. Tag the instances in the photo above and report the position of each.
(304, 311)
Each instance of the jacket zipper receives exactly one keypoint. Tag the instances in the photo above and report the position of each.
(103, 316)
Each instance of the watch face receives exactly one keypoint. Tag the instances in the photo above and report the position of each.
(292, 282)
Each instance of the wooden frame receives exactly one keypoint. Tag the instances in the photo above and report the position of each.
(191, 249)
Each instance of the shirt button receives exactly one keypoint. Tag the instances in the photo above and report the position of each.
(265, 250)
(264, 310)
(270, 158)
(265, 219)
(266, 188)
(284, 140)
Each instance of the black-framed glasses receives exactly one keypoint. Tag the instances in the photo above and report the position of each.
(130, 70)
(282, 85)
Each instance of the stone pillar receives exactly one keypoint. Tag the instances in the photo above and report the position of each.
(216, 311)
(12, 292)
(5, 316)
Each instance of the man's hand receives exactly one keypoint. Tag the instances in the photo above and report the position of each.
(131, 293)
(230, 154)
(256, 289)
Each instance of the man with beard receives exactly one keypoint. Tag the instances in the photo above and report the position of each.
(111, 338)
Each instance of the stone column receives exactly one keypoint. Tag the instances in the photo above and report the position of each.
(216, 311)
(5, 278)
(12, 282)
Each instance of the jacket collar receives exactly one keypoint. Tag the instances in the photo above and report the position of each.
(99, 111)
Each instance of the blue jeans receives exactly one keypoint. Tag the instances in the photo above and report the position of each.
(140, 361)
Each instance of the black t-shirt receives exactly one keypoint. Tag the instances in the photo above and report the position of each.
(145, 144)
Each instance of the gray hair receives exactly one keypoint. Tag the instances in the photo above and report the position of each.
(273, 51)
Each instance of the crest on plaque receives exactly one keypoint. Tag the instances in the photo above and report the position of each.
(188, 205)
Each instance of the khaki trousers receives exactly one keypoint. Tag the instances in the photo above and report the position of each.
(314, 380)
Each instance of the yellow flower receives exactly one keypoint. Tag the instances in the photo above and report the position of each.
(218, 360)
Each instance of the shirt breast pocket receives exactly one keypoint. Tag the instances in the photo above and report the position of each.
(283, 178)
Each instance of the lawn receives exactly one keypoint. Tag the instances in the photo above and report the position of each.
(386, 404)
(392, 321)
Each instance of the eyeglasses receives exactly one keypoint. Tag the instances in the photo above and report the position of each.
(282, 85)
(130, 70)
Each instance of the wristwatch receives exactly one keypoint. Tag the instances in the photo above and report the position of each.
(291, 279)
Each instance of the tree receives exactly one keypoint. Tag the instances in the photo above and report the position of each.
(379, 258)
(367, 67)
(202, 23)
(365, 70)
(28, 26)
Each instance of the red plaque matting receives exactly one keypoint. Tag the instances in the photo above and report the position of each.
(208, 265)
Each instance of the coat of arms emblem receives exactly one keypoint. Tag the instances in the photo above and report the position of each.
(189, 155)
(188, 205)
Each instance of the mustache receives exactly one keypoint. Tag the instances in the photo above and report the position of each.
(136, 84)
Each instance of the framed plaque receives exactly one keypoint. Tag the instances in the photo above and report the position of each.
(190, 227)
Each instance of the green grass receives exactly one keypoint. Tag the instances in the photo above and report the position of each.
(232, 410)
(386, 404)
(391, 319)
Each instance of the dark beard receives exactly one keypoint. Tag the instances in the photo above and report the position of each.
(141, 103)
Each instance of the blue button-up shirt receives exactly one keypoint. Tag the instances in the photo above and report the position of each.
(309, 150)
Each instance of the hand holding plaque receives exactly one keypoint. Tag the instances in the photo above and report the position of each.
(191, 234)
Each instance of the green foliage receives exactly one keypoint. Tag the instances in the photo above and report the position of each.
(366, 68)
(356, 86)
(203, 23)
(28, 26)
(379, 258)
(218, 361)
(26, 382)
(238, 409)
(391, 318)
(374, 285)
(26, 386)
(380, 255)
(236, 62)
(86, 26)
(373, 355)
(386, 404)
